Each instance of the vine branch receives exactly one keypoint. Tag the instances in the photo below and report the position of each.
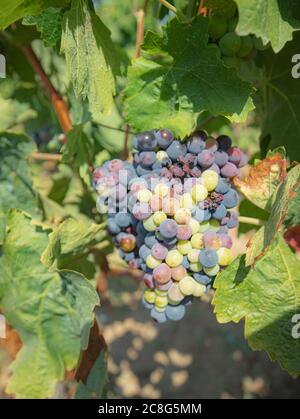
(250, 220)
(59, 104)
(168, 6)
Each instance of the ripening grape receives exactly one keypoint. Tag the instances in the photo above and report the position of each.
(159, 251)
(225, 256)
(152, 262)
(206, 158)
(175, 312)
(149, 224)
(184, 232)
(178, 273)
(162, 273)
(229, 170)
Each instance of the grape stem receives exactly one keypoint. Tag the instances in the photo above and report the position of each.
(46, 157)
(168, 6)
(202, 10)
(140, 29)
(250, 220)
(59, 104)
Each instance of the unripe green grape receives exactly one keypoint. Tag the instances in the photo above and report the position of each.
(225, 256)
(149, 296)
(152, 262)
(175, 296)
(195, 267)
(212, 271)
(193, 255)
(182, 216)
(258, 44)
(160, 293)
(199, 193)
(210, 179)
(194, 224)
(217, 27)
(186, 201)
(184, 246)
(232, 24)
(159, 217)
(161, 154)
(161, 190)
(149, 224)
(214, 225)
(229, 44)
(187, 285)
(204, 226)
(232, 62)
(246, 46)
(161, 301)
(144, 195)
(197, 241)
(174, 258)
(199, 290)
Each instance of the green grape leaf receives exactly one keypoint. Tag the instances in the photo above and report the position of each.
(51, 311)
(71, 238)
(293, 216)
(16, 189)
(271, 20)
(285, 194)
(49, 23)
(14, 112)
(79, 151)
(188, 80)
(13, 10)
(262, 180)
(92, 61)
(280, 100)
(268, 298)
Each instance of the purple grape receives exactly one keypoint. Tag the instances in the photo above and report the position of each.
(211, 145)
(176, 150)
(164, 138)
(206, 158)
(197, 143)
(226, 240)
(149, 281)
(229, 170)
(146, 141)
(224, 142)
(164, 287)
(214, 167)
(141, 211)
(233, 220)
(235, 155)
(159, 251)
(168, 229)
(221, 158)
(223, 186)
(244, 160)
(184, 232)
(147, 158)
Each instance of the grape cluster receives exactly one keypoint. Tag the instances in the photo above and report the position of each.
(169, 212)
(233, 48)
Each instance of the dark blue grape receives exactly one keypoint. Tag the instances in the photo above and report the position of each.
(221, 158)
(202, 278)
(123, 219)
(224, 142)
(176, 150)
(146, 141)
(208, 258)
(220, 212)
(164, 138)
(230, 199)
(113, 227)
(175, 312)
(223, 186)
(159, 317)
(168, 229)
